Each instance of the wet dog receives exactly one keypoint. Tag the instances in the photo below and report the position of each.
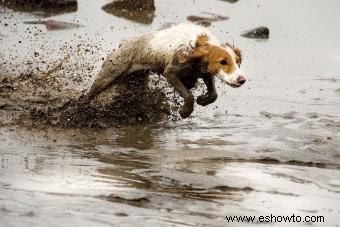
(182, 53)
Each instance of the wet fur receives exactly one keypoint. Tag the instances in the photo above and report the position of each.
(182, 59)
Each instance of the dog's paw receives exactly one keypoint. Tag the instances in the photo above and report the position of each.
(204, 100)
(185, 111)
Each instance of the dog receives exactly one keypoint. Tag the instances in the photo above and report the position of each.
(182, 54)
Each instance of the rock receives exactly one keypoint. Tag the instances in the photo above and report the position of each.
(257, 33)
(48, 7)
(206, 21)
(141, 11)
(43, 3)
(55, 25)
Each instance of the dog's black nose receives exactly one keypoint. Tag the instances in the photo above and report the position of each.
(241, 79)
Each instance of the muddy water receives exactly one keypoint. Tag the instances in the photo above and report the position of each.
(271, 147)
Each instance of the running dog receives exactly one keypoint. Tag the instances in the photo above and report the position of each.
(182, 54)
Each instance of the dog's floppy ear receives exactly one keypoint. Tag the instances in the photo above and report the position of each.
(201, 41)
(198, 52)
(195, 54)
(238, 54)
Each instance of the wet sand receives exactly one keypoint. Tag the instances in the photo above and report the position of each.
(270, 147)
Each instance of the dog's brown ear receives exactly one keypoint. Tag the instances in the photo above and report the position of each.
(202, 40)
(238, 54)
(198, 52)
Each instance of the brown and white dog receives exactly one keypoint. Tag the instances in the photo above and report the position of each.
(182, 53)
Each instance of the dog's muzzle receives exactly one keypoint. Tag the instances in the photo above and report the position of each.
(234, 80)
(240, 80)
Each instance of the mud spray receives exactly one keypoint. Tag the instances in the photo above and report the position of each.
(43, 87)
(40, 100)
(50, 97)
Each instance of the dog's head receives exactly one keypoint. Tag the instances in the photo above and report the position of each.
(222, 61)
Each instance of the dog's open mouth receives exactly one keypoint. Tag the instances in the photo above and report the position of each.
(234, 85)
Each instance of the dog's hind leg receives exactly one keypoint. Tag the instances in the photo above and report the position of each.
(117, 64)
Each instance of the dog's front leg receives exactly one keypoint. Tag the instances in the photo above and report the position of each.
(211, 94)
(172, 74)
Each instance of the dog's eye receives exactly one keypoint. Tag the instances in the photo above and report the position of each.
(223, 62)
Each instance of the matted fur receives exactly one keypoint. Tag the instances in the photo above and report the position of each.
(182, 53)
